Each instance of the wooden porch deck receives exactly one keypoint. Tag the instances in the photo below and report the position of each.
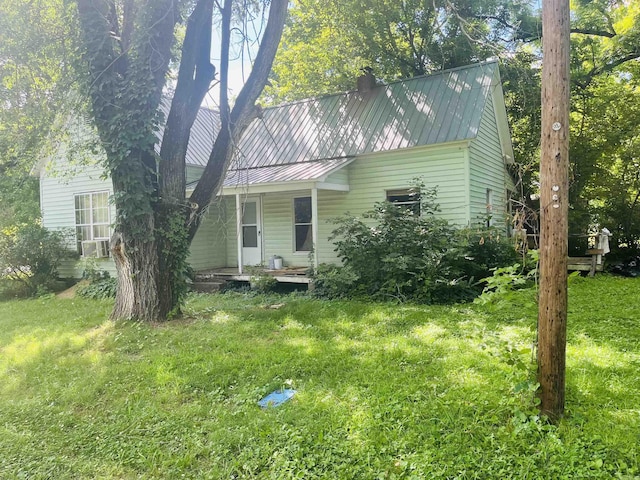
(284, 275)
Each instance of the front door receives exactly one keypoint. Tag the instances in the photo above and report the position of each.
(251, 232)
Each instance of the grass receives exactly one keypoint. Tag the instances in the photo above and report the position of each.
(384, 391)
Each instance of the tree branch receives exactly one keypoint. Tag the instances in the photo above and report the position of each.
(194, 77)
(607, 67)
(243, 112)
(596, 33)
(225, 46)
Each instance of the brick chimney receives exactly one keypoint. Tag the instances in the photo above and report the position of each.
(366, 81)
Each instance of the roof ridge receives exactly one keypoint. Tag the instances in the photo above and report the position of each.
(383, 85)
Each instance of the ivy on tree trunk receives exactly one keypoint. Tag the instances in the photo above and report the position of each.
(127, 50)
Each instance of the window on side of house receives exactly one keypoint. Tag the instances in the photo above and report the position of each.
(303, 229)
(92, 217)
(489, 207)
(408, 198)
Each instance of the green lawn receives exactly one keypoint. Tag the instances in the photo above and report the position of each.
(384, 391)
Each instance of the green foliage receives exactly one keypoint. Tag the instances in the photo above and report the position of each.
(174, 251)
(31, 254)
(479, 251)
(383, 390)
(394, 253)
(263, 283)
(12, 289)
(99, 288)
(34, 55)
(327, 42)
(99, 284)
(505, 280)
(606, 162)
(334, 281)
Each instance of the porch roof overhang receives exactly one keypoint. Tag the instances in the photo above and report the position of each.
(286, 177)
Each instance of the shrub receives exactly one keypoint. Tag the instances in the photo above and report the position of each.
(11, 289)
(263, 283)
(31, 255)
(506, 280)
(391, 252)
(478, 252)
(333, 281)
(99, 288)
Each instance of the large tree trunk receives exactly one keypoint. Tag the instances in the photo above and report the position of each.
(134, 243)
(136, 264)
(236, 120)
(128, 54)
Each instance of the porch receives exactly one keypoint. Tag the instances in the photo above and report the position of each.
(212, 279)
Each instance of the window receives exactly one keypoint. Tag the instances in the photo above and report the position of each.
(250, 224)
(489, 207)
(303, 230)
(92, 217)
(408, 198)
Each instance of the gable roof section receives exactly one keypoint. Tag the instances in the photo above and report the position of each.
(292, 141)
(203, 133)
(310, 139)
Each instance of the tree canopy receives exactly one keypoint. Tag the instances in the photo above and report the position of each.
(34, 49)
(327, 42)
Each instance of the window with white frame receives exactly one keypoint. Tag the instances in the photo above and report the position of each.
(92, 217)
(489, 207)
(408, 198)
(303, 228)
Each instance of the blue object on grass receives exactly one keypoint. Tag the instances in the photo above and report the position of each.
(276, 398)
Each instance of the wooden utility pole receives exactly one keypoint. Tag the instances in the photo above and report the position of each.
(554, 207)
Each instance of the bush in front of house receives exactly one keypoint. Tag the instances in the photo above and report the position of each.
(99, 283)
(29, 258)
(392, 253)
(479, 251)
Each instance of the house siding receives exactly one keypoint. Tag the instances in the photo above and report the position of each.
(488, 171)
(341, 177)
(61, 182)
(58, 186)
(372, 176)
(208, 248)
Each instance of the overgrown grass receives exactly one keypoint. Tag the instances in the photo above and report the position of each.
(384, 391)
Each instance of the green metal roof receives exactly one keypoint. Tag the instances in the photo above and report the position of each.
(308, 139)
(439, 108)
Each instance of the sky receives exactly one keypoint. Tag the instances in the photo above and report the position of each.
(242, 54)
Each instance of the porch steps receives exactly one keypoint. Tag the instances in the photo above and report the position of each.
(205, 282)
(210, 286)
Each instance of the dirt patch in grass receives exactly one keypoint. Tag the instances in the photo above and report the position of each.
(71, 291)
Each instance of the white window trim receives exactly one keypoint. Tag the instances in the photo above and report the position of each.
(294, 224)
(91, 223)
(489, 208)
(401, 192)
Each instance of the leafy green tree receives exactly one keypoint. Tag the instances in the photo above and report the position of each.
(34, 58)
(31, 255)
(327, 42)
(605, 185)
(605, 42)
(128, 47)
